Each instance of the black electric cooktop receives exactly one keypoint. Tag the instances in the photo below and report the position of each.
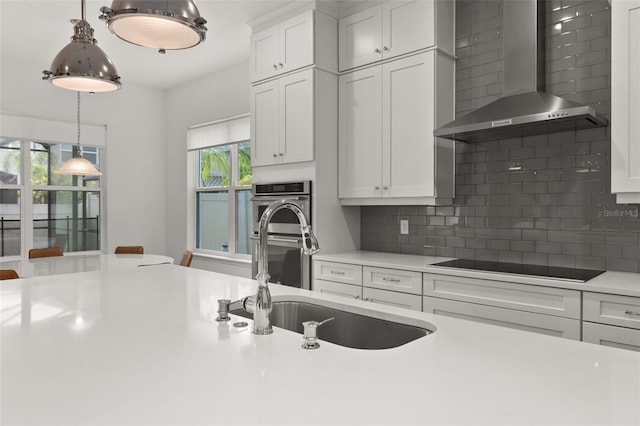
(573, 274)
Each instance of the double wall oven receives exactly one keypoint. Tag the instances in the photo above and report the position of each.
(287, 264)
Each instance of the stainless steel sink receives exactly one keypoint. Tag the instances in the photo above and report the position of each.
(350, 329)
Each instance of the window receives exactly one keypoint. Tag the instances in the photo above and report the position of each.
(42, 209)
(222, 169)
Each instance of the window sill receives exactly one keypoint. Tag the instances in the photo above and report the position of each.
(230, 259)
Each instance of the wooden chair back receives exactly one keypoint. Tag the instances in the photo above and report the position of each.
(45, 252)
(8, 274)
(186, 259)
(130, 250)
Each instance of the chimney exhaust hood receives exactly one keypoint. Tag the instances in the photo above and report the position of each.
(524, 109)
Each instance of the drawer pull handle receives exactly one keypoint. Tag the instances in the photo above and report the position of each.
(336, 272)
(391, 280)
(635, 314)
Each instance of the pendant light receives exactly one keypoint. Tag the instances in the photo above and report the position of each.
(81, 65)
(77, 165)
(163, 25)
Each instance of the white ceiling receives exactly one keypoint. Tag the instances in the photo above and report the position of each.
(33, 31)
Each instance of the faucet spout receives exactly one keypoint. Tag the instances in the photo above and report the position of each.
(263, 305)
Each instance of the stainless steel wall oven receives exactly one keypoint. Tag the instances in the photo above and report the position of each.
(287, 264)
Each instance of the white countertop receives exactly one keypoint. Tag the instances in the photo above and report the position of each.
(140, 346)
(71, 263)
(622, 283)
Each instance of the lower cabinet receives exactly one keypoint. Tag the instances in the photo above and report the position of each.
(393, 287)
(543, 310)
(611, 320)
(527, 321)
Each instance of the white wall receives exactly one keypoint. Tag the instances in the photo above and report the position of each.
(135, 156)
(214, 97)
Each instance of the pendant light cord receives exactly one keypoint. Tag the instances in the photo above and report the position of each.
(78, 117)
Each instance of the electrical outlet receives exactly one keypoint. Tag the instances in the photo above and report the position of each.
(404, 227)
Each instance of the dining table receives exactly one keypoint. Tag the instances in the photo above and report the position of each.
(84, 262)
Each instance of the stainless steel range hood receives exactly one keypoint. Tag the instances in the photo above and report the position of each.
(524, 109)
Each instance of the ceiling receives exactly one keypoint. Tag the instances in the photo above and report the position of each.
(33, 31)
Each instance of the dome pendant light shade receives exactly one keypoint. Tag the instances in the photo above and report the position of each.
(82, 65)
(162, 25)
(77, 165)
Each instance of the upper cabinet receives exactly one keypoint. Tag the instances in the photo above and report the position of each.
(282, 120)
(625, 102)
(394, 28)
(297, 42)
(387, 151)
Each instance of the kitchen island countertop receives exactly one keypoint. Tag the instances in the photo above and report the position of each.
(142, 347)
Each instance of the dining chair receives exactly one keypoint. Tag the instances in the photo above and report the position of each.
(186, 259)
(45, 252)
(8, 274)
(130, 250)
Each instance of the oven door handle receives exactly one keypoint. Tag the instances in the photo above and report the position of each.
(279, 240)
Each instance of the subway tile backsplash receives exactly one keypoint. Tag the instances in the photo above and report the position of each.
(541, 199)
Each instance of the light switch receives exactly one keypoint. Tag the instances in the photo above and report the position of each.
(404, 227)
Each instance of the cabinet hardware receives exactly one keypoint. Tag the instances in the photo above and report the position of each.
(391, 280)
(280, 63)
(385, 188)
(635, 314)
(281, 154)
(385, 48)
(336, 272)
(377, 188)
(356, 297)
(366, 299)
(275, 67)
(378, 50)
(275, 155)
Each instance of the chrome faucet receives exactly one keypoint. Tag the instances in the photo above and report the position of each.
(260, 304)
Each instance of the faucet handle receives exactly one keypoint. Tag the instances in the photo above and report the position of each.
(223, 310)
(310, 333)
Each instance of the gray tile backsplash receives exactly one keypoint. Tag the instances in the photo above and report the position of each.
(539, 199)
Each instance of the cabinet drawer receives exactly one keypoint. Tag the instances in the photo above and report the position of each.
(522, 297)
(337, 289)
(612, 309)
(339, 272)
(392, 298)
(527, 321)
(608, 335)
(393, 279)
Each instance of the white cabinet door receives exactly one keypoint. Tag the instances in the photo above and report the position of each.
(283, 48)
(527, 321)
(407, 26)
(408, 115)
(607, 335)
(282, 120)
(625, 102)
(265, 123)
(265, 50)
(360, 133)
(392, 298)
(296, 42)
(296, 117)
(337, 289)
(360, 38)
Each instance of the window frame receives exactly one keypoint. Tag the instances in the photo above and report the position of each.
(227, 131)
(27, 188)
(232, 189)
